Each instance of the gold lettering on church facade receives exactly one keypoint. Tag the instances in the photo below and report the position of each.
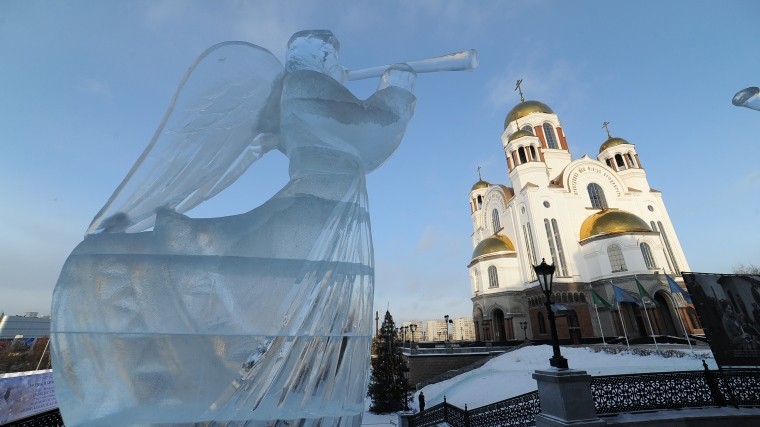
(575, 176)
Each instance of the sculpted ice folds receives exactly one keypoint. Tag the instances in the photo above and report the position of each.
(264, 316)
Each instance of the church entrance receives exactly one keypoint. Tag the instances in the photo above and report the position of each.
(666, 323)
(498, 325)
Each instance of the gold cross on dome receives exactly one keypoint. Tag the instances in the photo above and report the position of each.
(479, 178)
(519, 90)
(606, 125)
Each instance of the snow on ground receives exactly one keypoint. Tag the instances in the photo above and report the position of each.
(510, 374)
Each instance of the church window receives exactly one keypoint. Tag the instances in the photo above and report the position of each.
(528, 128)
(583, 297)
(551, 142)
(560, 250)
(495, 220)
(609, 162)
(646, 251)
(620, 162)
(596, 194)
(533, 155)
(668, 247)
(549, 237)
(617, 262)
(541, 323)
(480, 202)
(521, 153)
(531, 250)
(514, 158)
(630, 160)
(493, 277)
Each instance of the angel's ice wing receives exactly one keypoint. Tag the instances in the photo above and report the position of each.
(217, 124)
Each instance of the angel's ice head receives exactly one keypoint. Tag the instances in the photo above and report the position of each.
(315, 50)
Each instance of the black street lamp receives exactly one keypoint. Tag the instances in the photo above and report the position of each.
(545, 275)
(446, 319)
(524, 326)
(413, 328)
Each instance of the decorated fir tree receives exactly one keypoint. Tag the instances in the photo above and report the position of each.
(387, 385)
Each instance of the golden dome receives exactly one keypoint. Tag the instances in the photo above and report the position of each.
(524, 108)
(519, 134)
(612, 221)
(480, 184)
(493, 244)
(612, 142)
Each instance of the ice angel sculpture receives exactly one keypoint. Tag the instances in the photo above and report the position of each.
(262, 318)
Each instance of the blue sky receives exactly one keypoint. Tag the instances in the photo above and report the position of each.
(84, 84)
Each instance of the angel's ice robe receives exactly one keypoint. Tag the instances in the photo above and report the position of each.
(261, 316)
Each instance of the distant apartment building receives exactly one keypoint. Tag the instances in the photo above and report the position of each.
(413, 330)
(463, 329)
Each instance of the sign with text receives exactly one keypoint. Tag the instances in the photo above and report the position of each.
(23, 394)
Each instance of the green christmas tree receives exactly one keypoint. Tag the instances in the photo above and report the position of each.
(387, 385)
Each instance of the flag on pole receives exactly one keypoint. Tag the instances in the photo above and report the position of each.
(599, 301)
(621, 295)
(645, 297)
(675, 289)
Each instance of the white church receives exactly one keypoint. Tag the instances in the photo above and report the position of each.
(596, 219)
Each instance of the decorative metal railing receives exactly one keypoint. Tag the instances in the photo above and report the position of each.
(517, 411)
(674, 390)
(614, 394)
(669, 390)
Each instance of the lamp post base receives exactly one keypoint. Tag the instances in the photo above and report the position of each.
(558, 361)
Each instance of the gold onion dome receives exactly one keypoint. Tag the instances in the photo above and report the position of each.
(524, 108)
(480, 184)
(612, 221)
(612, 142)
(519, 134)
(492, 245)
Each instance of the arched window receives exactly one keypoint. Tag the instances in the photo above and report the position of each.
(560, 250)
(480, 201)
(668, 247)
(521, 153)
(541, 323)
(551, 141)
(630, 160)
(617, 262)
(493, 277)
(495, 220)
(583, 297)
(528, 128)
(646, 252)
(533, 155)
(620, 162)
(596, 194)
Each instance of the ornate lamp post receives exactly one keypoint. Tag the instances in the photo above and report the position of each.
(545, 275)
(413, 328)
(524, 326)
(446, 320)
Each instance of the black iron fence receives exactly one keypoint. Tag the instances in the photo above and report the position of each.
(517, 411)
(614, 394)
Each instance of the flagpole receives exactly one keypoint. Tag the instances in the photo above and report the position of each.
(676, 309)
(646, 313)
(601, 329)
(620, 313)
(622, 322)
(680, 320)
(646, 310)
